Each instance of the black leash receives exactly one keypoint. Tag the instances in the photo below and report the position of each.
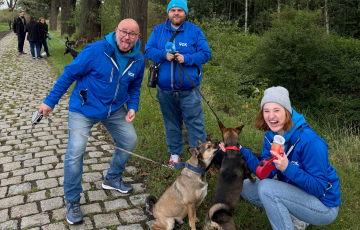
(207, 102)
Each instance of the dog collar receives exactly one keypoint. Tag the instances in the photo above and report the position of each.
(189, 166)
(232, 148)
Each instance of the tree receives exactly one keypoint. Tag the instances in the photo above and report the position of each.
(54, 11)
(136, 10)
(11, 4)
(90, 27)
(67, 9)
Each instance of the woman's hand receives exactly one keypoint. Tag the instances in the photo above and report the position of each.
(282, 161)
(222, 146)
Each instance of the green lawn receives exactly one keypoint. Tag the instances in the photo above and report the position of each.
(344, 148)
(4, 27)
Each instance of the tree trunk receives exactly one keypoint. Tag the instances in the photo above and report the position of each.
(90, 27)
(54, 11)
(67, 9)
(136, 10)
(246, 14)
(326, 18)
(11, 5)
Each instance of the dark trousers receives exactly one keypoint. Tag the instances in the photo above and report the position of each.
(21, 40)
(38, 46)
(43, 43)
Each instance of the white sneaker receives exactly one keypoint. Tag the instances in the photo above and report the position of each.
(43, 53)
(174, 159)
(298, 224)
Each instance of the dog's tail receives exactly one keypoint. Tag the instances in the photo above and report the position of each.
(220, 213)
(150, 201)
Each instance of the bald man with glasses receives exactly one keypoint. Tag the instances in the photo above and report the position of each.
(108, 75)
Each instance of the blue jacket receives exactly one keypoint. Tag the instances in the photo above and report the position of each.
(190, 42)
(309, 167)
(100, 88)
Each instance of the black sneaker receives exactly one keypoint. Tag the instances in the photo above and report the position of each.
(40, 57)
(48, 55)
(22, 52)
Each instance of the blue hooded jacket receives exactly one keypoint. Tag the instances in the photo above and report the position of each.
(190, 42)
(309, 167)
(105, 80)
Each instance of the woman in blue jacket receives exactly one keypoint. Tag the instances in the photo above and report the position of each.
(306, 189)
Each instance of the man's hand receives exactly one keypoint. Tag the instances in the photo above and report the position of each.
(15, 33)
(45, 109)
(169, 56)
(179, 57)
(282, 161)
(130, 115)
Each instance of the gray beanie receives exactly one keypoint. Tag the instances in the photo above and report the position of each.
(278, 95)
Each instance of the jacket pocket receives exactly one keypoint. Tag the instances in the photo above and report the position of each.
(83, 95)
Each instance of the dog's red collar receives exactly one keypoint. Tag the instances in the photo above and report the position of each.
(232, 148)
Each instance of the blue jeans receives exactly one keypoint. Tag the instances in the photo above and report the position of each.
(280, 199)
(179, 106)
(123, 134)
(21, 40)
(43, 43)
(38, 48)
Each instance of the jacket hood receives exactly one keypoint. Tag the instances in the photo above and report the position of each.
(111, 38)
(298, 120)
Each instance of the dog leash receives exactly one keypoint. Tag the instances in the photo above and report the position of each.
(207, 102)
(36, 118)
(131, 153)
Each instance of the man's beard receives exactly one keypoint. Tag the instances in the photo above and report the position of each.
(179, 23)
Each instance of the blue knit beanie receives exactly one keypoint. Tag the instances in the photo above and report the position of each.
(178, 3)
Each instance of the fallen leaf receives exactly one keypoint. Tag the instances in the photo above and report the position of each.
(341, 219)
(144, 174)
(122, 211)
(18, 216)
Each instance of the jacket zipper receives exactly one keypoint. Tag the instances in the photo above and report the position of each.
(118, 85)
(112, 74)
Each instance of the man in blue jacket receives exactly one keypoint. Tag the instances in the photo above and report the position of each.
(108, 74)
(179, 100)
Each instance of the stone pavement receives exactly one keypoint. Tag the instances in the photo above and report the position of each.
(31, 160)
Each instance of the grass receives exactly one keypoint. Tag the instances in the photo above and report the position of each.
(343, 142)
(4, 27)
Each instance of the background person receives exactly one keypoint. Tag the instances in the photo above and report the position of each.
(33, 29)
(10, 24)
(19, 28)
(108, 74)
(179, 102)
(44, 33)
(307, 188)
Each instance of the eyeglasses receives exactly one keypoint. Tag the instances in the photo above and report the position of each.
(124, 33)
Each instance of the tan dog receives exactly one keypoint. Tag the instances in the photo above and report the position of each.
(229, 182)
(186, 193)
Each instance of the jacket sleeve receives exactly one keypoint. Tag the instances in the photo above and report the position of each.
(134, 89)
(15, 25)
(202, 54)
(252, 161)
(314, 176)
(81, 65)
(151, 50)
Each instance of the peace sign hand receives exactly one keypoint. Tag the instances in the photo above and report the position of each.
(282, 161)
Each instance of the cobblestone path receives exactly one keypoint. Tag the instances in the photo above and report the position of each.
(31, 160)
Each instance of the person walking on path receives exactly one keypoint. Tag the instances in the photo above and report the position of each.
(33, 29)
(108, 75)
(19, 28)
(44, 33)
(10, 24)
(179, 100)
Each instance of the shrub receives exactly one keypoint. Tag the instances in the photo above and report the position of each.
(320, 71)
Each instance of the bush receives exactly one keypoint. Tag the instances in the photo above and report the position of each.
(320, 71)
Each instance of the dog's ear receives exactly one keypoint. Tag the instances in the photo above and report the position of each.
(239, 129)
(193, 151)
(221, 126)
(199, 142)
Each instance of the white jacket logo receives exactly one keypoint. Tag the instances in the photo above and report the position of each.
(295, 163)
(182, 44)
(131, 74)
